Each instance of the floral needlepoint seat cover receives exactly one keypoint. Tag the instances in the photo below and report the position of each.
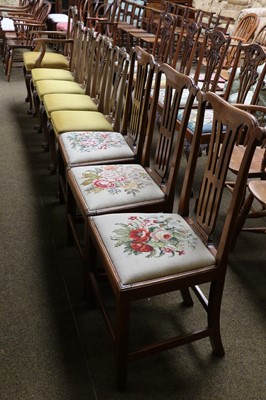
(94, 146)
(149, 246)
(115, 185)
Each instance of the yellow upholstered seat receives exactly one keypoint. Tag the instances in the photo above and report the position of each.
(68, 121)
(39, 74)
(50, 60)
(62, 101)
(111, 97)
(51, 86)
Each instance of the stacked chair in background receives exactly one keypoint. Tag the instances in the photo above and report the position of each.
(41, 58)
(116, 121)
(25, 33)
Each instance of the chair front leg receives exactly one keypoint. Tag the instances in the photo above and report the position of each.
(28, 99)
(9, 54)
(52, 143)
(44, 124)
(121, 339)
(214, 311)
(36, 103)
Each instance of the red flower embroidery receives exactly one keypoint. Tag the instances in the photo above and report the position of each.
(139, 235)
(103, 183)
(142, 248)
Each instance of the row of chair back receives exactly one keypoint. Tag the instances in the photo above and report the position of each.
(106, 231)
(210, 54)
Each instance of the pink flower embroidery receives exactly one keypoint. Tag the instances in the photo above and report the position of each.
(168, 250)
(161, 234)
(110, 167)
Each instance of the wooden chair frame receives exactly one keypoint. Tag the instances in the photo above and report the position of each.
(206, 215)
(135, 119)
(25, 34)
(167, 155)
(87, 55)
(248, 59)
(260, 37)
(243, 33)
(257, 191)
(63, 40)
(113, 97)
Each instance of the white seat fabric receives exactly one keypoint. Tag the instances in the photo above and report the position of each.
(115, 185)
(7, 24)
(88, 147)
(58, 18)
(151, 246)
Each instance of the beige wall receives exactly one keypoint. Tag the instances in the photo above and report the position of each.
(229, 7)
(8, 2)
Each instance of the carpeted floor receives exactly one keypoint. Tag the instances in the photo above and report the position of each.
(53, 347)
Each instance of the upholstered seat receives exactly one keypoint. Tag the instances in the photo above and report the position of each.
(90, 147)
(67, 121)
(61, 26)
(99, 147)
(56, 17)
(111, 103)
(124, 184)
(50, 60)
(7, 25)
(60, 101)
(208, 117)
(147, 186)
(151, 246)
(39, 74)
(51, 86)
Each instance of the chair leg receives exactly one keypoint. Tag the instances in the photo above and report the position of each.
(28, 99)
(9, 62)
(36, 103)
(186, 296)
(91, 259)
(44, 128)
(52, 147)
(121, 341)
(61, 180)
(70, 208)
(214, 311)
